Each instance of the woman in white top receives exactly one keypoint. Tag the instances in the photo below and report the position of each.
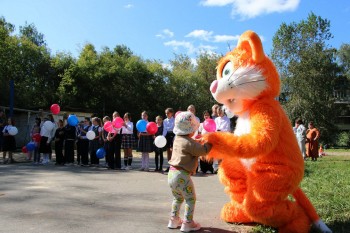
(9, 141)
(222, 121)
(47, 132)
(128, 140)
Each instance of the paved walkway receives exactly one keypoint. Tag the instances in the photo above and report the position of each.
(85, 199)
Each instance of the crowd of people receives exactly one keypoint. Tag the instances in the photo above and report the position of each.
(72, 146)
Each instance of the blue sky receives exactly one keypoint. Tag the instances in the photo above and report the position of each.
(158, 29)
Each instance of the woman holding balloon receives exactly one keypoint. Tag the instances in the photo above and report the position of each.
(145, 145)
(128, 140)
(9, 140)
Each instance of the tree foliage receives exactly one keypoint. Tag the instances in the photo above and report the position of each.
(117, 79)
(308, 70)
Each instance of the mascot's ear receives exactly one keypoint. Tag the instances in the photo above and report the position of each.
(250, 41)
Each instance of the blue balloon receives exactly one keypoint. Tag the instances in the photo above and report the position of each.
(73, 120)
(141, 125)
(30, 146)
(100, 153)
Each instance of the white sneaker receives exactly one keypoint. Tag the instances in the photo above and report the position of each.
(127, 168)
(123, 168)
(174, 222)
(190, 226)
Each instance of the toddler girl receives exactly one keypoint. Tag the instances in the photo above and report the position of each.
(184, 162)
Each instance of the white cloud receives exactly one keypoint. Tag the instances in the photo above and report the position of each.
(190, 48)
(166, 33)
(200, 34)
(217, 2)
(177, 44)
(252, 8)
(129, 6)
(225, 38)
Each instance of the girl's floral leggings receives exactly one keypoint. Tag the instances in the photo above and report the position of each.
(182, 189)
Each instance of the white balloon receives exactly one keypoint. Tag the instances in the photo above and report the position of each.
(90, 135)
(160, 141)
(48, 125)
(13, 131)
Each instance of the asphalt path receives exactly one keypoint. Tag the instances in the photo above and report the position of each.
(37, 198)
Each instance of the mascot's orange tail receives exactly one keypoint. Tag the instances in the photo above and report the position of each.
(305, 203)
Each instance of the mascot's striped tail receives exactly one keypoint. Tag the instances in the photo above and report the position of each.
(310, 211)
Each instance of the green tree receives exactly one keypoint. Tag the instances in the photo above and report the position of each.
(206, 74)
(27, 63)
(308, 71)
(344, 58)
(7, 48)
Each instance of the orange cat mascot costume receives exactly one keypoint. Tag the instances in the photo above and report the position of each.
(261, 161)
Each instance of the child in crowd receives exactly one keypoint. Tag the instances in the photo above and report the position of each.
(128, 141)
(34, 133)
(116, 140)
(169, 127)
(95, 143)
(159, 151)
(145, 144)
(9, 144)
(84, 142)
(107, 145)
(204, 164)
(184, 162)
(59, 140)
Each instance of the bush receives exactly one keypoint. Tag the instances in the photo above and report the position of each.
(343, 139)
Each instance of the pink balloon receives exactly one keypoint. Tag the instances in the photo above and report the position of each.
(55, 109)
(209, 125)
(151, 128)
(118, 122)
(108, 126)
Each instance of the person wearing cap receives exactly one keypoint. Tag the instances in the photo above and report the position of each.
(183, 164)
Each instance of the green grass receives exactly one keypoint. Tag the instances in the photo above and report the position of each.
(327, 184)
(333, 150)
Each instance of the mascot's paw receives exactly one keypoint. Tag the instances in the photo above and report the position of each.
(321, 227)
(214, 139)
(230, 213)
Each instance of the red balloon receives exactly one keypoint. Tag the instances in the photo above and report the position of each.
(24, 149)
(55, 109)
(151, 128)
(209, 125)
(108, 126)
(118, 122)
(36, 137)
